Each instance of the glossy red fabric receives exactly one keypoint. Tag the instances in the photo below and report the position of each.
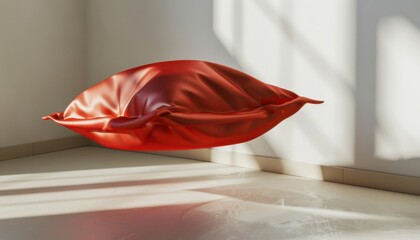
(174, 105)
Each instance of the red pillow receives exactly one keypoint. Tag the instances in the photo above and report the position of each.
(174, 105)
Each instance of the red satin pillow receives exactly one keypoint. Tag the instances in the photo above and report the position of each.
(178, 105)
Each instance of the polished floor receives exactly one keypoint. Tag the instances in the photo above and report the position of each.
(100, 194)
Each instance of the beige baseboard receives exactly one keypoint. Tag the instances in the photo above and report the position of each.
(29, 149)
(383, 181)
(60, 144)
(336, 174)
(16, 151)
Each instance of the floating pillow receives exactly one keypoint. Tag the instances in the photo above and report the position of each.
(176, 105)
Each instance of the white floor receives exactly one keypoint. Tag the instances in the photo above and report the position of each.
(99, 194)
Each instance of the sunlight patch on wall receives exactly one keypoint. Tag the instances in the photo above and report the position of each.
(398, 117)
(307, 47)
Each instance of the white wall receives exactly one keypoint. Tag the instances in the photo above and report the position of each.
(42, 66)
(387, 86)
(128, 33)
